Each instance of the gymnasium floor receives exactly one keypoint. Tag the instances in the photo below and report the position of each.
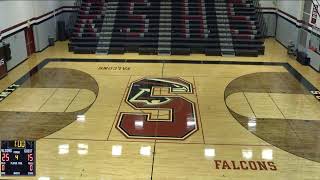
(127, 116)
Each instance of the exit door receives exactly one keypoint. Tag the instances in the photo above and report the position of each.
(29, 40)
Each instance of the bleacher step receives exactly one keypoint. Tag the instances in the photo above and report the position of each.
(180, 27)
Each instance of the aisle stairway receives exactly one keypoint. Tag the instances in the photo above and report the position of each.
(180, 27)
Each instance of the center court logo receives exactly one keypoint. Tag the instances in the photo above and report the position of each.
(160, 111)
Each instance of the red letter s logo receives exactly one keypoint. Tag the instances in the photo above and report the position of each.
(182, 120)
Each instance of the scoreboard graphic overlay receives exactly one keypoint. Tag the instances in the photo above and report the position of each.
(18, 158)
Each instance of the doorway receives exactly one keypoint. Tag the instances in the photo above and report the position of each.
(30, 40)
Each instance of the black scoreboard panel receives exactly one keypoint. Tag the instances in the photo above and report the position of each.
(18, 158)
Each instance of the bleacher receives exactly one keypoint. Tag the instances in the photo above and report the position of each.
(180, 27)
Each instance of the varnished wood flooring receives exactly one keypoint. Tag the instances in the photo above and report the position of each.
(203, 118)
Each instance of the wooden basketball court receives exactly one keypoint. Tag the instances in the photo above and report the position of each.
(105, 117)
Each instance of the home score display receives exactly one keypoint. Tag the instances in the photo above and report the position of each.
(18, 158)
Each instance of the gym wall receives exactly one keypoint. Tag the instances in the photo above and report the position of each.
(286, 30)
(42, 15)
(283, 19)
(290, 22)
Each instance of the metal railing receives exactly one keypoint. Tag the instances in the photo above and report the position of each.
(262, 25)
(73, 17)
(316, 3)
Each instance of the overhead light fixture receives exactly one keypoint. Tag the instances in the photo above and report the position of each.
(252, 123)
(116, 150)
(63, 149)
(267, 154)
(145, 150)
(247, 153)
(191, 123)
(81, 118)
(44, 178)
(138, 124)
(83, 149)
(209, 152)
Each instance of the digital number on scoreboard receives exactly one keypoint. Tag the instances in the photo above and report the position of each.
(18, 158)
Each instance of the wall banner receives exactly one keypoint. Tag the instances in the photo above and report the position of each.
(314, 14)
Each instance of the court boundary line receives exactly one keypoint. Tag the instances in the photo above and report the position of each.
(118, 109)
(198, 106)
(309, 86)
(160, 142)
